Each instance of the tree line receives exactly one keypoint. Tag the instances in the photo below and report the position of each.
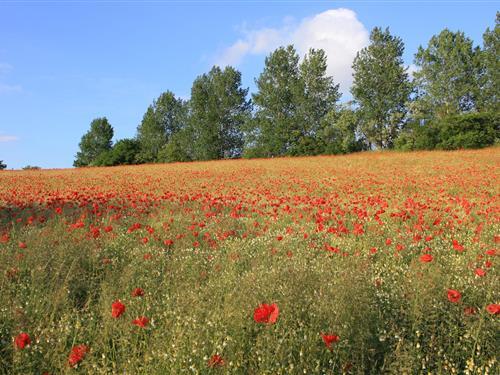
(449, 102)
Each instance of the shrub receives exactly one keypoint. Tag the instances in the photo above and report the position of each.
(123, 152)
(31, 168)
(472, 130)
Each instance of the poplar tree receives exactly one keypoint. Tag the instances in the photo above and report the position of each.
(447, 75)
(381, 88)
(218, 110)
(165, 117)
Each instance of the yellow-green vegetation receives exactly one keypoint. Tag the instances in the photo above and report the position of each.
(363, 264)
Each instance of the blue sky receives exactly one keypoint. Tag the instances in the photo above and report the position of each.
(63, 63)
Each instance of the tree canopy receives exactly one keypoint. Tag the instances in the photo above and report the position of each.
(165, 117)
(218, 110)
(381, 88)
(95, 142)
(450, 101)
(447, 75)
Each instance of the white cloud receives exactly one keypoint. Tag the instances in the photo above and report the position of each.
(234, 54)
(5, 89)
(412, 68)
(337, 31)
(8, 138)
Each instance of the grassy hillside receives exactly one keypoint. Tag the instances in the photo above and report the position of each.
(368, 263)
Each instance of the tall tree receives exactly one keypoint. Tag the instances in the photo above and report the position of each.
(447, 75)
(95, 142)
(2, 165)
(218, 109)
(165, 117)
(318, 95)
(340, 132)
(489, 60)
(276, 126)
(381, 87)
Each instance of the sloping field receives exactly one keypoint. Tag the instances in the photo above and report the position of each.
(368, 263)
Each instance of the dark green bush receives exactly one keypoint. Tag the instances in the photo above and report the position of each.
(123, 152)
(470, 130)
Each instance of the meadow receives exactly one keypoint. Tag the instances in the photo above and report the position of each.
(370, 263)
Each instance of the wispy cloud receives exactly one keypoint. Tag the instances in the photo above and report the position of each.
(337, 31)
(6, 89)
(5, 68)
(8, 138)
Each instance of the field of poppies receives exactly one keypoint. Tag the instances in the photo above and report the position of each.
(363, 264)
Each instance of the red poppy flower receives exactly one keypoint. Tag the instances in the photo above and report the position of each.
(215, 361)
(22, 245)
(141, 321)
(266, 313)
(457, 246)
(358, 229)
(493, 308)
(454, 295)
(117, 309)
(77, 354)
(329, 339)
(426, 258)
(480, 272)
(137, 292)
(22, 340)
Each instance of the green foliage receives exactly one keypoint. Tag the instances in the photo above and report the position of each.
(292, 101)
(218, 110)
(95, 142)
(165, 117)
(447, 75)
(339, 133)
(490, 68)
(179, 148)
(416, 136)
(125, 151)
(2, 165)
(381, 88)
(471, 130)
(31, 168)
(276, 127)
(295, 110)
(318, 95)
